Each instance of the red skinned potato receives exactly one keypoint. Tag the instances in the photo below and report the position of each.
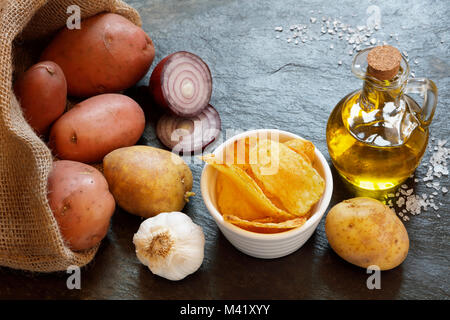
(97, 126)
(107, 54)
(81, 203)
(41, 92)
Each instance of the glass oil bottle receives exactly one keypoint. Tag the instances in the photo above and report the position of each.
(377, 136)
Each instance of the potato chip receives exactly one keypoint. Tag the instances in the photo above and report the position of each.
(265, 227)
(238, 152)
(247, 188)
(286, 176)
(233, 199)
(303, 147)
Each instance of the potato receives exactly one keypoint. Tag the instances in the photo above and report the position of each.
(42, 92)
(146, 181)
(96, 126)
(365, 232)
(107, 54)
(81, 203)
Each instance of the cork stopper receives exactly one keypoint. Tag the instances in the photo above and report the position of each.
(384, 62)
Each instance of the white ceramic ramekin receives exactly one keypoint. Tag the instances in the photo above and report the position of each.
(259, 245)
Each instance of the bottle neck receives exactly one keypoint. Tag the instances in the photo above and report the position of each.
(381, 116)
(376, 94)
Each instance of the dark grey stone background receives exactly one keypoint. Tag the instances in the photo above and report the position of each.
(264, 82)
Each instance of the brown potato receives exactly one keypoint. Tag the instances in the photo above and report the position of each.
(107, 54)
(42, 92)
(365, 232)
(97, 126)
(146, 181)
(81, 203)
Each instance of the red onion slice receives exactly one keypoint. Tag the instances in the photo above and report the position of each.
(189, 135)
(182, 83)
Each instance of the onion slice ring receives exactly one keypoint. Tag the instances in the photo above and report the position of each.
(182, 84)
(189, 135)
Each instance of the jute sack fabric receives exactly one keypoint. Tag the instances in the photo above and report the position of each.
(29, 235)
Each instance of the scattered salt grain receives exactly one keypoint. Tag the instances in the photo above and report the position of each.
(333, 29)
(405, 202)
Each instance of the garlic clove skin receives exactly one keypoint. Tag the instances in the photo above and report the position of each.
(170, 244)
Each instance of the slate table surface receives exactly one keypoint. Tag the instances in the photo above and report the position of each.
(264, 82)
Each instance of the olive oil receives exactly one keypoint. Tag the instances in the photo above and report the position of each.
(377, 136)
(369, 165)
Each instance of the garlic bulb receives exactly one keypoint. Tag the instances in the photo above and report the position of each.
(170, 244)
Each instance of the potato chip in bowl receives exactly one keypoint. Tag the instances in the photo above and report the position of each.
(267, 197)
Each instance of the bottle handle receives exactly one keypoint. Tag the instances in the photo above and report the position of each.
(427, 89)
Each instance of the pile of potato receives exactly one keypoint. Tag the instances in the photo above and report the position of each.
(106, 55)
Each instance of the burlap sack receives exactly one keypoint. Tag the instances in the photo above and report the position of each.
(29, 235)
